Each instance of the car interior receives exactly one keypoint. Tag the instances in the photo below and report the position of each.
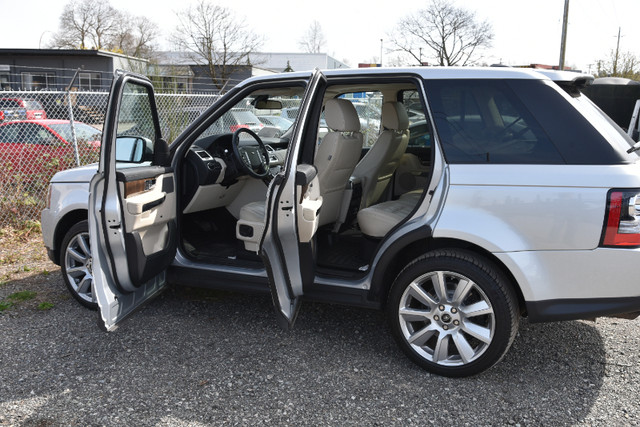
(371, 169)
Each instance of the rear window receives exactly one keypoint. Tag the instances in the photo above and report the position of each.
(84, 132)
(513, 121)
(32, 105)
(9, 103)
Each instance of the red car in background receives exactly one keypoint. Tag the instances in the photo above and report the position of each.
(28, 147)
(33, 108)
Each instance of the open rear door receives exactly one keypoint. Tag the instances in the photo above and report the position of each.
(293, 203)
(132, 203)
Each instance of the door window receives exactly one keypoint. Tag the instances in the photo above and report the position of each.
(136, 127)
(419, 129)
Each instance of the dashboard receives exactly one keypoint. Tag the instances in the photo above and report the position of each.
(212, 176)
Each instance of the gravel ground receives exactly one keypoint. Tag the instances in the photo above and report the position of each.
(194, 358)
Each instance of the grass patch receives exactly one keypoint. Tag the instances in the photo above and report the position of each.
(22, 296)
(45, 306)
(11, 259)
(5, 305)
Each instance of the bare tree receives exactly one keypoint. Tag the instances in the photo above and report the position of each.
(95, 24)
(135, 36)
(625, 65)
(313, 40)
(214, 38)
(444, 32)
(76, 23)
(105, 22)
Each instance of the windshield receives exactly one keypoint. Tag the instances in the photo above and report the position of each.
(84, 132)
(245, 117)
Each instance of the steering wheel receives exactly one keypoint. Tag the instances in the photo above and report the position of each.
(252, 160)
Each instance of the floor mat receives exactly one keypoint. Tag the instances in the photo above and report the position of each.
(342, 252)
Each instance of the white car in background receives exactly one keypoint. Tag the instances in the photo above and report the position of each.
(528, 207)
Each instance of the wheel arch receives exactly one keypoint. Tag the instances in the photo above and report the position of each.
(63, 226)
(406, 249)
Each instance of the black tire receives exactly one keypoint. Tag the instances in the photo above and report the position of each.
(467, 331)
(75, 262)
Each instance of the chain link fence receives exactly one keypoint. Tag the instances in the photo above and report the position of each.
(44, 132)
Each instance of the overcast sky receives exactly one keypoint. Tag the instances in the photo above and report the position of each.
(525, 31)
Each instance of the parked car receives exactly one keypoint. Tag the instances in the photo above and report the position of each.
(33, 109)
(30, 146)
(530, 207)
(241, 118)
(276, 121)
(11, 110)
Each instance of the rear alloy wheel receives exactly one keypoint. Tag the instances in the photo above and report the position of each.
(453, 313)
(76, 264)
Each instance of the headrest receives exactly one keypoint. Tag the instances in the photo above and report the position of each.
(394, 116)
(341, 115)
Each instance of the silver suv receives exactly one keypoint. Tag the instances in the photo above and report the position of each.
(507, 195)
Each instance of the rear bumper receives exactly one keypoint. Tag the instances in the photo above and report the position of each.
(574, 309)
(566, 285)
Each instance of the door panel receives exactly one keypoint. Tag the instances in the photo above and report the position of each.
(132, 222)
(293, 202)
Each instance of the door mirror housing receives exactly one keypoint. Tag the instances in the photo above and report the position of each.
(133, 149)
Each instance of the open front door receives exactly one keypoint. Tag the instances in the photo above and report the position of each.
(132, 203)
(293, 203)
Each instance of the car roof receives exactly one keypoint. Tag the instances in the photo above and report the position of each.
(434, 73)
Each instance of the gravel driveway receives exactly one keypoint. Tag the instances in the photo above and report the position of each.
(194, 358)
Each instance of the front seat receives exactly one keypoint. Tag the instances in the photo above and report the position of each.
(376, 168)
(337, 156)
(335, 160)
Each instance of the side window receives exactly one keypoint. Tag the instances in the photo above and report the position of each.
(9, 133)
(484, 121)
(34, 134)
(9, 103)
(136, 129)
(419, 129)
(135, 117)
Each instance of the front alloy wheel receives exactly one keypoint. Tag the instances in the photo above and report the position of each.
(453, 313)
(76, 264)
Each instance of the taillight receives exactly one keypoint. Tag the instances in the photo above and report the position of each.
(622, 220)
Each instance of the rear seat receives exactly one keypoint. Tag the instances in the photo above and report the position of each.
(377, 220)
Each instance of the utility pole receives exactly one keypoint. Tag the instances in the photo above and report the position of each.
(615, 61)
(563, 42)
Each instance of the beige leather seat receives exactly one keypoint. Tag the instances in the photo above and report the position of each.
(378, 220)
(376, 168)
(337, 156)
(335, 159)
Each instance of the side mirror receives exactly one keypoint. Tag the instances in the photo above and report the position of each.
(131, 149)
